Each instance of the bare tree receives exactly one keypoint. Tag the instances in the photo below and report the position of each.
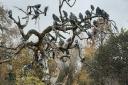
(53, 45)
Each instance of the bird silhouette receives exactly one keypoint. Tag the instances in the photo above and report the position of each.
(55, 18)
(45, 10)
(88, 13)
(104, 14)
(98, 11)
(10, 13)
(81, 16)
(72, 16)
(65, 14)
(37, 6)
(92, 7)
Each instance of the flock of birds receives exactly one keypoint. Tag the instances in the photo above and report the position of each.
(35, 12)
(73, 19)
(99, 12)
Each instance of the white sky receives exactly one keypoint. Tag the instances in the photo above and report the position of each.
(116, 8)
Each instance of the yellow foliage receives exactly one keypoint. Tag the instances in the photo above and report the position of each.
(84, 78)
(22, 59)
(89, 52)
(29, 80)
(83, 75)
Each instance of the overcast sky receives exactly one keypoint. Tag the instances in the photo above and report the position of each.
(118, 9)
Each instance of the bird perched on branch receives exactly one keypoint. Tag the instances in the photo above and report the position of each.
(65, 14)
(45, 10)
(88, 13)
(55, 18)
(104, 14)
(10, 13)
(81, 16)
(72, 16)
(92, 7)
(37, 6)
(98, 11)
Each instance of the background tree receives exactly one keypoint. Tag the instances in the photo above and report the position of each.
(110, 61)
(6, 35)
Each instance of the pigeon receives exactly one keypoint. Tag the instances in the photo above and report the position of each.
(98, 11)
(92, 7)
(65, 13)
(105, 15)
(37, 6)
(81, 16)
(45, 10)
(10, 13)
(55, 18)
(72, 16)
(88, 13)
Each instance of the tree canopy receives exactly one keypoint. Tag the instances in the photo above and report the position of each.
(110, 59)
(54, 58)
